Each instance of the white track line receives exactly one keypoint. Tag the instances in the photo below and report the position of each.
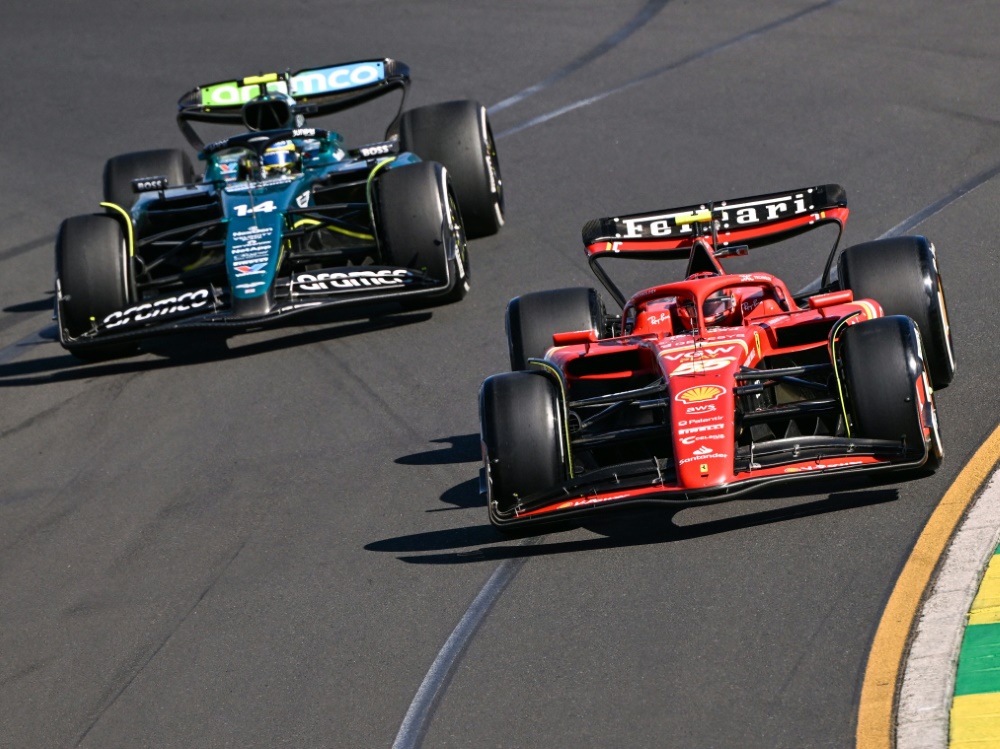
(411, 732)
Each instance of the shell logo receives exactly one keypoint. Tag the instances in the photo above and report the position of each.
(700, 393)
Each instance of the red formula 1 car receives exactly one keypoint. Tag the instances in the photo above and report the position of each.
(709, 387)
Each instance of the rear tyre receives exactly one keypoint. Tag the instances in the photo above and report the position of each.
(901, 274)
(532, 319)
(884, 372)
(419, 225)
(93, 278)
(521, 418)
(458, 135)
(119, 171)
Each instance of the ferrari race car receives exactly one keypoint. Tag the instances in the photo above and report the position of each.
(707, 388)
(285, 217)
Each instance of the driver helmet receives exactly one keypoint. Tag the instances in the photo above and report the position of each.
(719, 310)
(281, 157)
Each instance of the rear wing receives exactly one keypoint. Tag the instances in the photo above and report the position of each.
(755, 222)
(316, 91)
(730, 227)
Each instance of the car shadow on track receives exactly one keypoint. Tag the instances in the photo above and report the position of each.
(613, 530)
(39, 305)
(461, 448)
(185, 349)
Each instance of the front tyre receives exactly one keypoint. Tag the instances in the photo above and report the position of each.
(93, 280)
(419, 226)
(522, 435)
(901, 274)
(458, 135)
(886, 380)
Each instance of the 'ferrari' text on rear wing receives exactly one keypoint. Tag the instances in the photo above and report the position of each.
(754, 221)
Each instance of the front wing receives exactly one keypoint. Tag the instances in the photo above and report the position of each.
(210, 307)
(649, 482)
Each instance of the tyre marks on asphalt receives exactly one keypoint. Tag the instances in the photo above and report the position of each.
(916, 219)
(21, 249)
(936, 207)
(149, 658)
(694, 57)
(645, 14)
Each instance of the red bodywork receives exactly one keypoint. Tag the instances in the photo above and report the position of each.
(700, 371)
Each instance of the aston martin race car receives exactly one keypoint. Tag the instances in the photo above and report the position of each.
(284, 217)
(719, 384)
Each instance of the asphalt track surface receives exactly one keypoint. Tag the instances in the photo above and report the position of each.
(267, 541)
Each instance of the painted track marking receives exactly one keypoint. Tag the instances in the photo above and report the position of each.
(878, 691)
(411, 732)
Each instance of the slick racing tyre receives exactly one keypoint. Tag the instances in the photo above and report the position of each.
(901, 274)
(532, 319)
(119, 171)
(419, 225)
(93, 280)
(522, 432)
(458, 135)
(884, 372)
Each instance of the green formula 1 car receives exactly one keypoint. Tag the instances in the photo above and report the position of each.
(285, 217)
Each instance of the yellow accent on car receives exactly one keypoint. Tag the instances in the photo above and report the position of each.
(255, 79)
(128, 223)
(835, 333)
(562, 387)
(349, 233)
(869, 309)
(698, 217)
(332, 227)
(368, 185)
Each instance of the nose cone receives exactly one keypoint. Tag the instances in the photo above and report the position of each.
(703, 432)
(701, 375)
